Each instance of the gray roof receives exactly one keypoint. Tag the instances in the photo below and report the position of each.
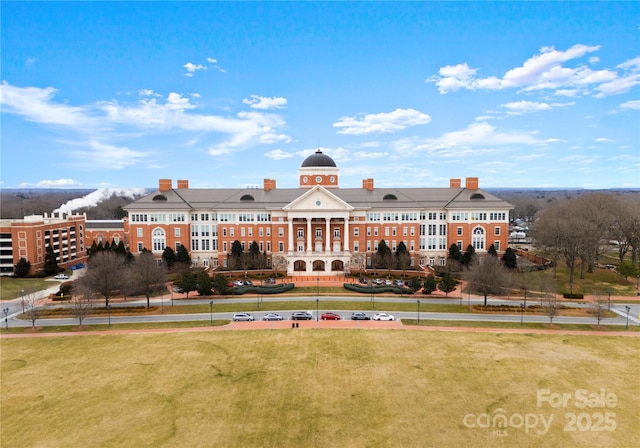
(359, 198)
(105, 224)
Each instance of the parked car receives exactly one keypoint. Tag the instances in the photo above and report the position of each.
(242, 317)
(359, 316)
(238, 283)
(301, 315)
(248, 283)
(330, 316)
(388, 282)
(398, 282)
(377, 281)
(61, 277)
(272, 316)
(383, 316)
(178, 289)
(270, 281)
(363, 280)
(230, 284)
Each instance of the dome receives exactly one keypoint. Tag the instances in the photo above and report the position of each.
(318, 159)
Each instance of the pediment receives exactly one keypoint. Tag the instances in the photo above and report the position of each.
(318, 198)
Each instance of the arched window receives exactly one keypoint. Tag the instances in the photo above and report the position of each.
(478, 238)
(159, 240)
(389, 197)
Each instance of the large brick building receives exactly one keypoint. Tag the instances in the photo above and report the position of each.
(318, 227)
(29, 238)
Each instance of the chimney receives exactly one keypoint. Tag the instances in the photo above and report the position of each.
(471, 183)
(454, 183)
(367, 184)
(164, 184)
(183, 184)
(269, 184)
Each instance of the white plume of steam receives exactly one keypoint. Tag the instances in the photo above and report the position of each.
(95, 197)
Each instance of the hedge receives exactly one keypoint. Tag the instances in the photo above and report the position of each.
(377, 289)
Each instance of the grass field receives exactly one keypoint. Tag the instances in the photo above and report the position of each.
(317, 388)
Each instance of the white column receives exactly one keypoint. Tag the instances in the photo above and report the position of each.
(290, 242)
(346, 234)
(328, 232)
(309, 239)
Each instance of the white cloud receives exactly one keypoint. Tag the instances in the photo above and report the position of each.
(525, 107)
(107, 156)
(381, 123)
(604, 140)
(265, 103)
(51, 183)
(36, 104)
(630, 105)
(544, 71)
(192, 68)
(278, 154)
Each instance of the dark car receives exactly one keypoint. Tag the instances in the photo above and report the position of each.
(248, 283)
(330, 316)
(363, 280)
(359, 316)
(270, 281)
(301, 315)
(272, 316)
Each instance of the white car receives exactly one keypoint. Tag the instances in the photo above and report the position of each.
(61, 277)
(383, 316)
(242, 316)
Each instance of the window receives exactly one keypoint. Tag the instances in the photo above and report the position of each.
(393, 231)
(356, 232)
(260, 231)
(405, 231)
(459, 231)
(355, 246)
(300, 232)
(336, 232)
(140, 247)
(318, 232)
(242, 234)
(231, 231)
(176, 232)
(478, 239)
(280, 246)
(496, 245)
(224, 231)
(496, 231)
(159, 240)
(300, 247)
(139, 232)
(280, 231)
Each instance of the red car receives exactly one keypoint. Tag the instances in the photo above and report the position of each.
(330, 316)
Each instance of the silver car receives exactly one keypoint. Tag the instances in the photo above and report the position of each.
(272, 316)
(242, 317)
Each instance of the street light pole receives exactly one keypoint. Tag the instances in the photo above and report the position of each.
(22, 300)
(317, 304)
(522, 306)
(628, 308)
(109, 311)
(211, 311)
(418, 312)
(6, 317)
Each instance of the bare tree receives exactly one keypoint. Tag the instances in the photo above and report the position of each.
(599, 308)
(551, 307)
(146, 276)
(106, 274)
(81, 302)
(32, 307)
(488, 276)
(278, 262)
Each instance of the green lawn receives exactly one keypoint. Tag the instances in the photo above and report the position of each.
(315, 388)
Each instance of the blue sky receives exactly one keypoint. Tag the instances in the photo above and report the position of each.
(226, 94)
